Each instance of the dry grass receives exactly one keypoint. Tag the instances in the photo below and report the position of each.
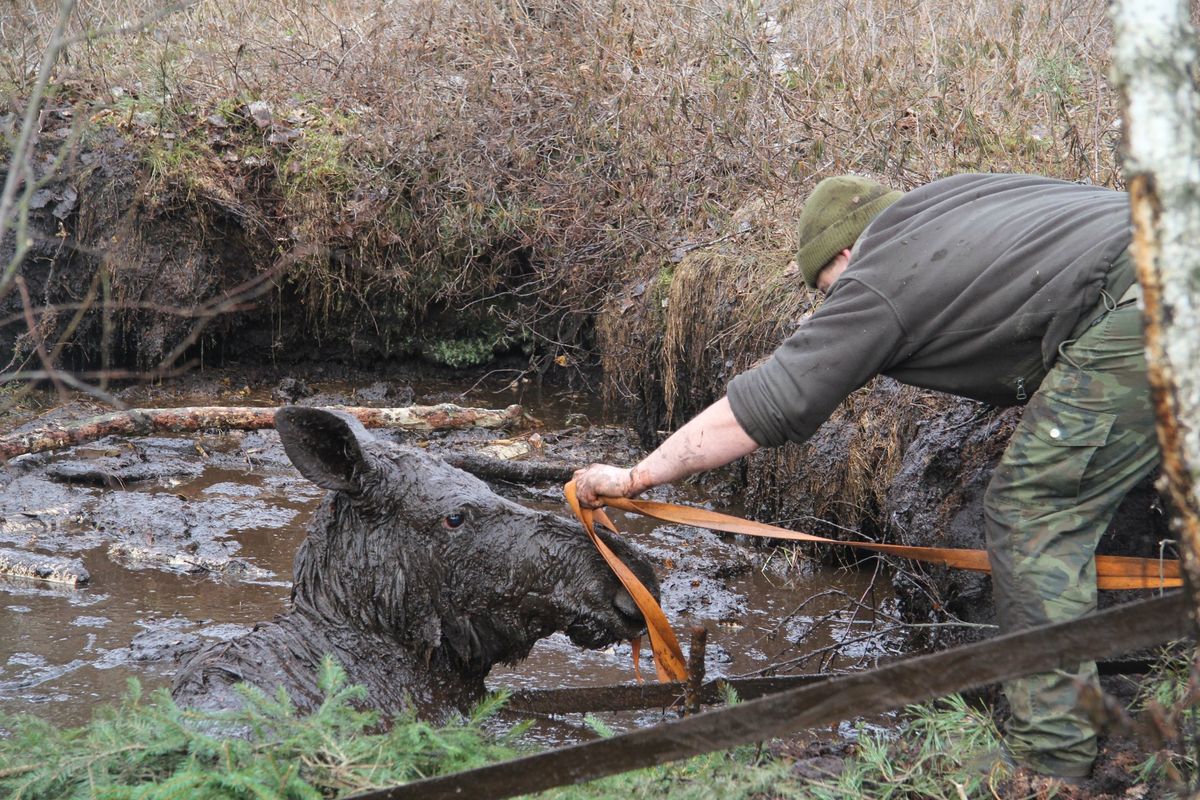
(440, 153)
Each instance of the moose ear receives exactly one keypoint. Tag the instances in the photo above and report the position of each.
(323, 445)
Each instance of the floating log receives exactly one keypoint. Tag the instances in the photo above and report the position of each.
(145, 421)
(56, 569)
(643, 696)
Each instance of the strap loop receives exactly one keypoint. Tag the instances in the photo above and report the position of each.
(668, 657)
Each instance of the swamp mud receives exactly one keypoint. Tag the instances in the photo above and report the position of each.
(188, 540)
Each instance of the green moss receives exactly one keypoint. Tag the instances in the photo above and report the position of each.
(316, 160)
(663, 280)
(460, 352)
(178, 160)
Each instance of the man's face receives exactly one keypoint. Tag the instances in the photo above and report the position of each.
(832, 271)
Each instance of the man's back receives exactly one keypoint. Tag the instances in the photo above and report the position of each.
(966, 285)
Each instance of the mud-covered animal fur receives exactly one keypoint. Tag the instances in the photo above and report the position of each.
(417, 578)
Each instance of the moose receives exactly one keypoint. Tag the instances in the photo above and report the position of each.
(417, 578)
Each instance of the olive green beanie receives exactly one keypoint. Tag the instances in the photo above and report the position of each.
(836, 213)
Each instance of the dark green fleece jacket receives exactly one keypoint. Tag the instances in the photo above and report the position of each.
(966, 285)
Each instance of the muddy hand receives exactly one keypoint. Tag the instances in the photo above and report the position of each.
(602, 480)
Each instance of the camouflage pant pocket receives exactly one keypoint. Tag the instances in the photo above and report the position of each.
(1048, 464)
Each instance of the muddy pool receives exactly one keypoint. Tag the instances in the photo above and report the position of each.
(188, 538)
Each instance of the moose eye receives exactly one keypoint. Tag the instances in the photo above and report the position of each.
(452, 521)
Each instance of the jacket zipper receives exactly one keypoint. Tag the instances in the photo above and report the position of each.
(1021, 389)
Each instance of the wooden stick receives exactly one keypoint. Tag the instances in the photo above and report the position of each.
(695, 681)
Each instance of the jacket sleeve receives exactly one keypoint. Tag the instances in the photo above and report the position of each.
(851, 338)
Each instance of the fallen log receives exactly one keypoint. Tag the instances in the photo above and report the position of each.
(145, 421)
(497, 469)
(1132, 626)
(642, 696)
(647, 696)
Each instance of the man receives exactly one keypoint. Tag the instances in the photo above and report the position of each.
(1008, 289)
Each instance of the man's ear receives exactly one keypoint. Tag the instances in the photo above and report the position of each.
(324, 446)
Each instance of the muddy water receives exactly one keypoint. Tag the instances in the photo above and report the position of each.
(64, 649)
(206, 550)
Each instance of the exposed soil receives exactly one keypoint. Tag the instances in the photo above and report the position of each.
(203, 269)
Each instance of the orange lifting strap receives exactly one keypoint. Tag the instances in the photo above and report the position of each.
(1112, 572)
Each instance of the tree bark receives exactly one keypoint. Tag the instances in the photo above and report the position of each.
(522, 472)
(1154, 60)
(180, 420)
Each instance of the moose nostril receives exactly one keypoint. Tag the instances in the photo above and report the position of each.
(625, 604)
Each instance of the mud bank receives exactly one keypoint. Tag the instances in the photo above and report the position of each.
(147, 253)
(172, 273)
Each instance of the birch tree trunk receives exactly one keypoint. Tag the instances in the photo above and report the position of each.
(1155, 62)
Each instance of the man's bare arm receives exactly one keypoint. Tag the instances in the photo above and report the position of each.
(711, 439)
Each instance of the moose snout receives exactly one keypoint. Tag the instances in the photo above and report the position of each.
(603, 611)
(622, 601)
(626, 605)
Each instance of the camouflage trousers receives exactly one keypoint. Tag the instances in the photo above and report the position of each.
(1086, 438)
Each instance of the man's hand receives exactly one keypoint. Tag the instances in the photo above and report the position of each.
(603, 480)
(712, 439)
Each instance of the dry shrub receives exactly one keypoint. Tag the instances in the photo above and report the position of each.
(675, 337)
(434, 157)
